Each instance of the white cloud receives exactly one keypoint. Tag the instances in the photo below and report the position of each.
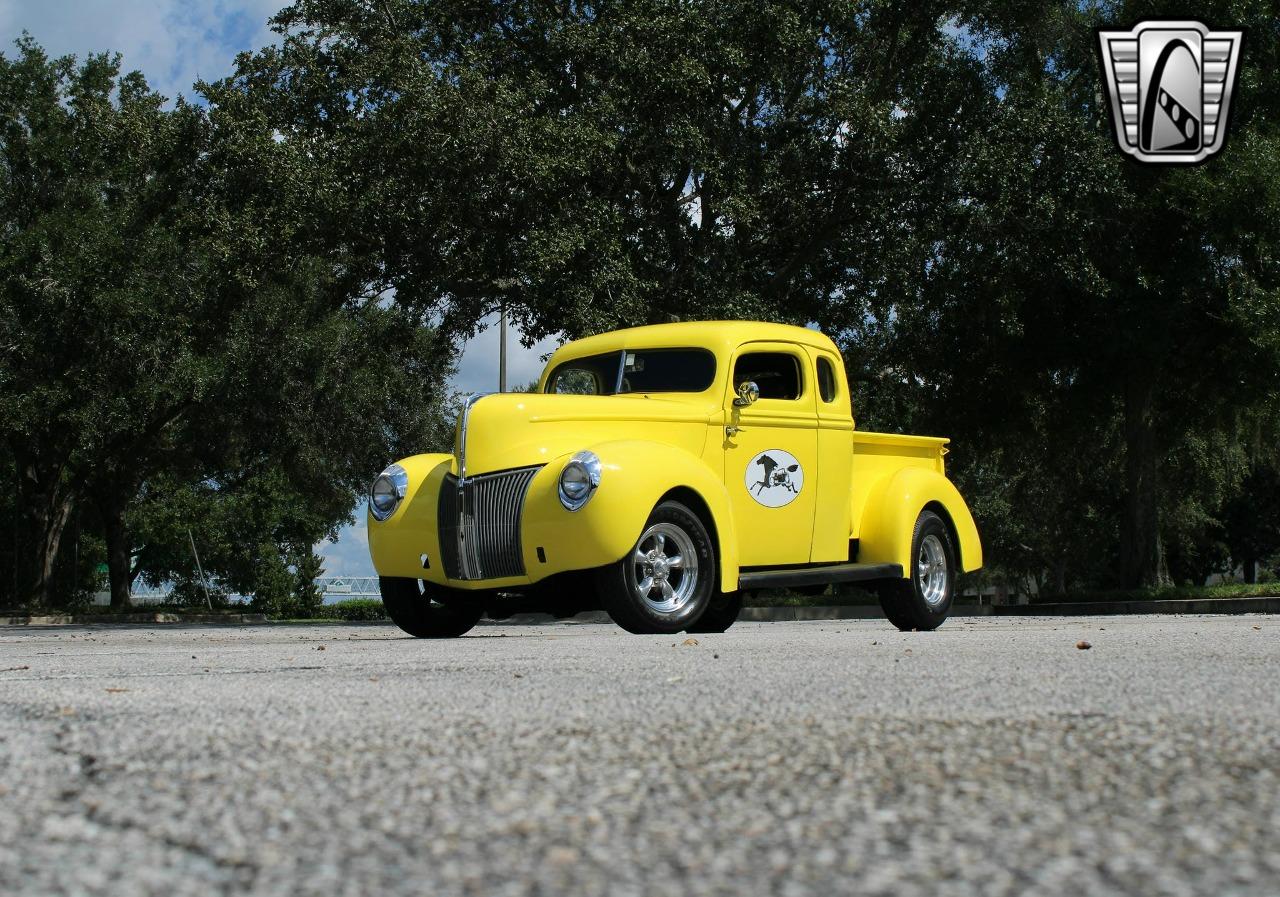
(172, 42)
(348, 555)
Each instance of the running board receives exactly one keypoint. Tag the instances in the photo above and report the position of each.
(817, 576)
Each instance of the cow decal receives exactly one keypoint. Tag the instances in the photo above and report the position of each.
(774, 478)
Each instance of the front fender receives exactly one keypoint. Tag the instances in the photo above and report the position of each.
(889, 520)
(635, 475)
(396, 544)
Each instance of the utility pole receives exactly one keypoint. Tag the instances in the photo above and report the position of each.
(199, 569)
(502, 349)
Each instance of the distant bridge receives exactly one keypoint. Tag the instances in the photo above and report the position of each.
(340, 588)
(333, 588)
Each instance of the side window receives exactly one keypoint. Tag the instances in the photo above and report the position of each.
(826, 379)
(776, 373)
(596, 375)
(576, 382)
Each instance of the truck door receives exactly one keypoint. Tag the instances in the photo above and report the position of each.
(770, 445)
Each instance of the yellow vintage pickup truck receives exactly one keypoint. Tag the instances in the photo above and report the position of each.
(660, 472)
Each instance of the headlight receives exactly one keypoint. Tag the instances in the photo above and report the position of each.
(387, 491)
(578, 480)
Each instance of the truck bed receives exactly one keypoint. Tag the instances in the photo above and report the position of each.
(878, 456)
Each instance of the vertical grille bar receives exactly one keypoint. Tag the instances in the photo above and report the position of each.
(479, 525)
(447, 521)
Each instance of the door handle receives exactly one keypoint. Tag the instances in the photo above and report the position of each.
(731, 431)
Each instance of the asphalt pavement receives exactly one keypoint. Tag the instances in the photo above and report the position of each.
(832, 757)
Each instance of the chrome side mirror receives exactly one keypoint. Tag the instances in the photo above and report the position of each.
(748, 392)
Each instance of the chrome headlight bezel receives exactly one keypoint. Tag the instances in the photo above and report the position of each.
(579, 480)
(387, 491)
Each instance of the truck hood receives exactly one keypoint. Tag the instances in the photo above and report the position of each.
(507, 430)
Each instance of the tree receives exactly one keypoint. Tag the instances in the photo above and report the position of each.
(1096, 318)
(934, 182)
(1252, 519)
(591, 166)
(169, 316)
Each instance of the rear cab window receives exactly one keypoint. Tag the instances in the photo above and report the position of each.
(828, 385)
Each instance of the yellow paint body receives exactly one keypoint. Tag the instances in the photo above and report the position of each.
(855, 485)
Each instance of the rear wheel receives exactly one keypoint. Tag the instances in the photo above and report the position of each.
(721, 613)
(428, 611)
(923, 600)
(666, 580)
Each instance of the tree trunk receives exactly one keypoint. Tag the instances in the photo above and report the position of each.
(119, 557)
(1141, 555)
(46, 507)
(1251, 570)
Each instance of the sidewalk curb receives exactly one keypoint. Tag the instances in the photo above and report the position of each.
(1120, 608)
(749, 614)
(873, 612)
(146, 617)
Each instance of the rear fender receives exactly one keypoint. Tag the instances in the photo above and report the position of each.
(889, 518)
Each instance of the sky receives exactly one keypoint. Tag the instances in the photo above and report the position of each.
(173, 42)
(176, 42)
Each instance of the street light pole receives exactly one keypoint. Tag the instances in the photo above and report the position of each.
(502, 349)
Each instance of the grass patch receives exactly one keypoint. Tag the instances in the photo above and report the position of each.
(1169, 593)
(842, 597)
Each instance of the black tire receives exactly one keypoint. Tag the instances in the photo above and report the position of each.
(619, 583)
(428, 611)
(721, 613)
(912, 603)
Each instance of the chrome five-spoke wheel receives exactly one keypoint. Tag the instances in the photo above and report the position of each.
(665, 566)
(663, 584)
(932, 571)
(922, 598)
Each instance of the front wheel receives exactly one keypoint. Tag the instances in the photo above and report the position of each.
(665, 581)
(923, 600)
(427, 611)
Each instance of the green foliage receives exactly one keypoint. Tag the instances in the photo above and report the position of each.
(1173, 593)
(182, 344)
(353, 610)
(227, 318)
(1098, 337)
(274, 585)
(591, 166)
(306, 592)
(841, 596)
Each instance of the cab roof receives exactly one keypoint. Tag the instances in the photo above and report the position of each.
(720, 337)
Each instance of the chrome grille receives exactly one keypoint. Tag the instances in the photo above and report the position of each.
(480, 524)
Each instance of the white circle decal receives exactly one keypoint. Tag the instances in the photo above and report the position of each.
(774, 478)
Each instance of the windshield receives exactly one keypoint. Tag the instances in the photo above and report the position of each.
(635, 370)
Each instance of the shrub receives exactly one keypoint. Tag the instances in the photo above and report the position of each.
(353, 610)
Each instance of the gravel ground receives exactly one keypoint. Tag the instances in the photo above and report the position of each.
(992, 757)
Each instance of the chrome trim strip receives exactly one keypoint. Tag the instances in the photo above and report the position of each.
(467, 404)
